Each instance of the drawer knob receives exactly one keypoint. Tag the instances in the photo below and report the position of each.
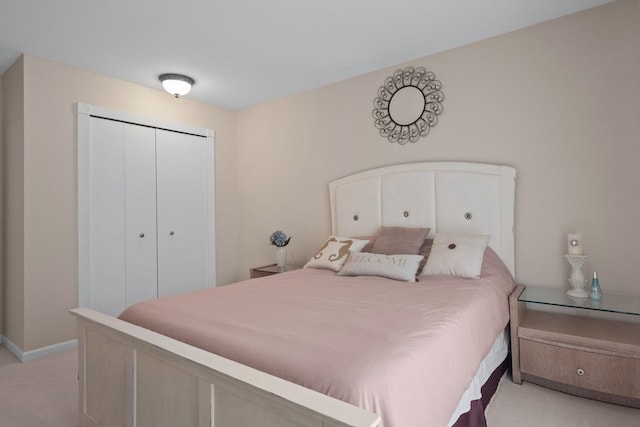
(580, 371)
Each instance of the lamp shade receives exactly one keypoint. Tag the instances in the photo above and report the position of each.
(176, 84)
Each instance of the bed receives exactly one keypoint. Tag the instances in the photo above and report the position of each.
(314, 347)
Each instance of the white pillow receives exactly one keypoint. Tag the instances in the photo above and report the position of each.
(398, 267)
(457, 255)
(334, 253)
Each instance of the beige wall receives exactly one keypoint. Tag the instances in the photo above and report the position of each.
(1, 203)
(13, 196)
(559, 101)
(50, 282)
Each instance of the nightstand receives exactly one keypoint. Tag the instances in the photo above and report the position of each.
(590, 356)
(268, 270)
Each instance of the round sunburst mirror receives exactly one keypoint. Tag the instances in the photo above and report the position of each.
(408, 105)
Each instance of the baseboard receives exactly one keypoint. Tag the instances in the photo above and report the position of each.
(25, 356)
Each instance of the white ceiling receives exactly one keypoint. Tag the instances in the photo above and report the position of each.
(245, 52)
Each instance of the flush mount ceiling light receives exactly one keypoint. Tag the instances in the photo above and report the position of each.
(176, 84)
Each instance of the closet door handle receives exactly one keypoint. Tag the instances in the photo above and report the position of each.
(141, 234)
(171, 233)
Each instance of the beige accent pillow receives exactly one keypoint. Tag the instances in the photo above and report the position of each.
(398, 267)
(400, 240)
(334, 253)
(457, 255)
(370, 243)
(425, 250)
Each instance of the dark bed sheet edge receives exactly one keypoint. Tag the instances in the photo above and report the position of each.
(475, 417)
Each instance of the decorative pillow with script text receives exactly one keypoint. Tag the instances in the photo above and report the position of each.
(398, 267)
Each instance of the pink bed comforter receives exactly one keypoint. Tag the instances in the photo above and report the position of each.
(406, 351)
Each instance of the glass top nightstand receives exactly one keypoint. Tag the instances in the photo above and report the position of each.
(587, 348)
(622, 304)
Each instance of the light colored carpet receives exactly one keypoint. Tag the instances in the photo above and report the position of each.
(528, 405)
(39, 393)
(44, 393)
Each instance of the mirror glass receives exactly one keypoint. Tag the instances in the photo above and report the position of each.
(406, 105)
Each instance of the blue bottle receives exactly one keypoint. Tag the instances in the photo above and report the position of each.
(595, 293)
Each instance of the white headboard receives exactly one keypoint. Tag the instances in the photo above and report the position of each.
(448, 197)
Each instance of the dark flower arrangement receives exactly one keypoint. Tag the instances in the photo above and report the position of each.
(279, 239)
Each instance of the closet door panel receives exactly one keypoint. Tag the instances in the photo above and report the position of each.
(140, 213)
(182, 212)
(107, 225)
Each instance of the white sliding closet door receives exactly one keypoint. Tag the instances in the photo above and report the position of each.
(182, 212)
(141, 280)
(123, 215)
(107, 225)
(145, 209)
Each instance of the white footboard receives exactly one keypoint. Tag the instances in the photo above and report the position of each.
(130, 376)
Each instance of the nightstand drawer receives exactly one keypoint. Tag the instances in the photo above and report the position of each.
(255, 273)
(584, 369)
(268, 270)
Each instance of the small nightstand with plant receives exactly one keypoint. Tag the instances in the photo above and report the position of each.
(280, 240)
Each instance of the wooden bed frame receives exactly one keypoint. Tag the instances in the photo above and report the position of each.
(130, 376)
